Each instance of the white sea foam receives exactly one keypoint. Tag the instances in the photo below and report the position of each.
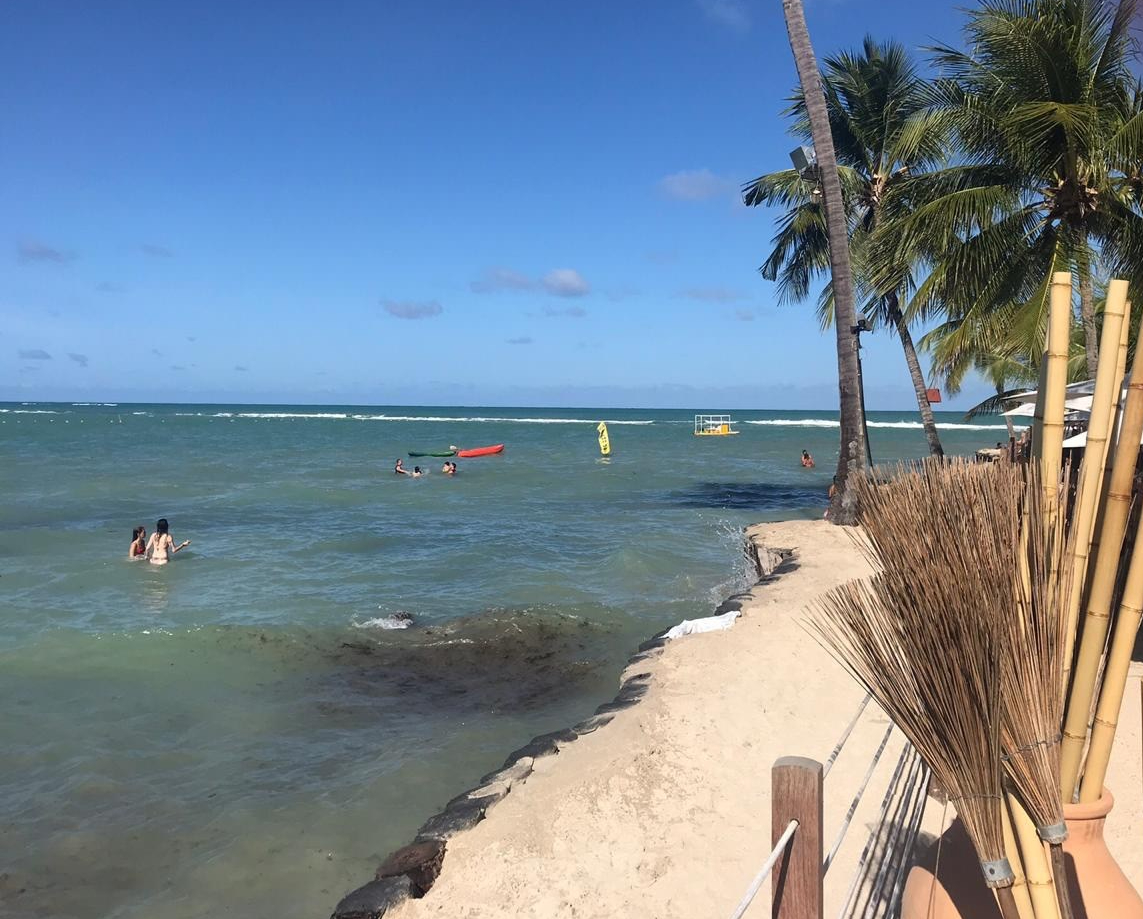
(906, 425)
(27, 411)
(343, 416)
(384, 622)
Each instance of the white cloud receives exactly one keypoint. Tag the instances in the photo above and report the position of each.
(694, 185)
(522, 340)
(495, 279)
(35, 354)
(714, 294)
(574, 312)
(39, 252)
(156, 251)
(412, 309)
(559, 282)
(80, 359)
(744, 315)
(729, 13)
(565, 282)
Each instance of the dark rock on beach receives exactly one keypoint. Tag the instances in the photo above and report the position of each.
(372, 900)
(419, 861)
(461, 816)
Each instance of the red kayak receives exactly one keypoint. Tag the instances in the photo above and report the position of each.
(481, 451)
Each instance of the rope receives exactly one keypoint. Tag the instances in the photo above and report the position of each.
(844, 737)
(886, 802)
(895, 853)
(764, 872)
(856, 800)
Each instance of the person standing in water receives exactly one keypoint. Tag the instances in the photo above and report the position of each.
(162, 545)
(399, 468)
(138, 542)
(807, 460)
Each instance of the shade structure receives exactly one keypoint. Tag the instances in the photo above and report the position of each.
(1080, 440)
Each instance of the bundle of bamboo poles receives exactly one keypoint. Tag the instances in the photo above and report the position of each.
(1107, 557)
(971, 636)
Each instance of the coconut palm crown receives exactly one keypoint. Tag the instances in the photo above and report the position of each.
(1048, 127)
(873, 97)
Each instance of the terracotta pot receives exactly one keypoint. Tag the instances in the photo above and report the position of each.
(1099, 888)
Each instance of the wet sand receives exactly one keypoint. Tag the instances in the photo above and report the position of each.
(665, 812)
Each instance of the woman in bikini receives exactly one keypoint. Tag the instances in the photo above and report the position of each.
(161, 545)
(138, 543)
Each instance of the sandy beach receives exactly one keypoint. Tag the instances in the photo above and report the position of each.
(666, 811)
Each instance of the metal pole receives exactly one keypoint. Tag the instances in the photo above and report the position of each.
(861, 394)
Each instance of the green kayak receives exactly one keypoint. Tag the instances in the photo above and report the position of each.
(445, 453)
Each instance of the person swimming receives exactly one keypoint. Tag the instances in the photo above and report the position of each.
(416, 473)
(449, 468)
(161, 545)
(138, 543)
(807, 460)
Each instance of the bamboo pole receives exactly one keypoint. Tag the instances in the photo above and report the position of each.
(1050, 402)
(1098, 614)
(1127, 623)
(1115, 676)
(1015, 859)
(1116, 418)
(1106, 395)
(1037, 871)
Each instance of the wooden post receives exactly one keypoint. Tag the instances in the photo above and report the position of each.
(796, 794)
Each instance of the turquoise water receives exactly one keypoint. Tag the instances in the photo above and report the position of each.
(242, 731)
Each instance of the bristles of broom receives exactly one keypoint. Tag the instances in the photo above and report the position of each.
(923, 634)
(1032, 647)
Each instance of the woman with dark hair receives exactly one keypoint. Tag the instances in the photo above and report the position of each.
(138, 542)
(161, 543)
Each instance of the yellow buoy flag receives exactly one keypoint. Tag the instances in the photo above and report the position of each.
(604, 440)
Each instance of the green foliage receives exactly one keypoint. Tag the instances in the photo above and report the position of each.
(1048, 144)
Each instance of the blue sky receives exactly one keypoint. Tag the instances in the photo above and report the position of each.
(429, 202)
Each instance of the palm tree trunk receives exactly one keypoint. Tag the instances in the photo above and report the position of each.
(1087, 314)
(851, 457)
(906, 337)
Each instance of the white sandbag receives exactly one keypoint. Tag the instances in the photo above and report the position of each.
(709, 624)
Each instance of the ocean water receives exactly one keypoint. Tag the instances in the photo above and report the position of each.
(248, 731)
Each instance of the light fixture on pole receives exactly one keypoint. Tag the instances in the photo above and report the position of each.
(805, 162)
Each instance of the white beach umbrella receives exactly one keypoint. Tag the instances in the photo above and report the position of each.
(1080, 440)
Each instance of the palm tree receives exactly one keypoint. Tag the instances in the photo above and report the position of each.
(1049, 128)
(872, 98)
(851, 456)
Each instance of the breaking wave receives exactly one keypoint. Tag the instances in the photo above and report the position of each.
(346, 416)
(906, 425)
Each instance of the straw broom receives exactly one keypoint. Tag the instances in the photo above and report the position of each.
(1097, 619)
(1105, 397)
(944, 539)
(1032, 705)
